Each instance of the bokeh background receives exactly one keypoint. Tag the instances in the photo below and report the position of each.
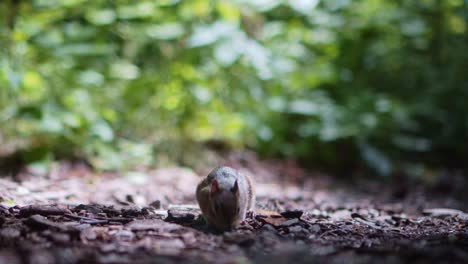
(353, 87)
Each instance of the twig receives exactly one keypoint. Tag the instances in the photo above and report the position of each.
(44, 210)
(85, 219)
(40, 222)
(99, 220)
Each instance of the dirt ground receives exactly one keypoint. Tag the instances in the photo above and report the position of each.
(75, 215)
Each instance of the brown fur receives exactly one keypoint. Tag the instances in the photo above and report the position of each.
(227, 206)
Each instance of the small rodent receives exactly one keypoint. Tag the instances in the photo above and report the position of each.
(225, 196)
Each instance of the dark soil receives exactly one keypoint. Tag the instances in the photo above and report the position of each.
(74, 215)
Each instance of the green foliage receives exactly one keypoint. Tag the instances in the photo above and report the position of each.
(332, 82)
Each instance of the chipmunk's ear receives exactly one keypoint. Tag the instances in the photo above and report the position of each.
(214, 186)
(235, 188)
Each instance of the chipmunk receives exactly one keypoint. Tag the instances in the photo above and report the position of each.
(225, 196)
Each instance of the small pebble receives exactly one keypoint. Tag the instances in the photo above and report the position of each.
(315, 228)
(156, 204)
(290, 222)
(292, 214)
(268, 227)
(295, 229)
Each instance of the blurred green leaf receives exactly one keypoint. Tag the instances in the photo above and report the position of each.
(165, 31)
(101, 17)
(103, 131)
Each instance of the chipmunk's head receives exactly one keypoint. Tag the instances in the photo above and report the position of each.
(225, 204)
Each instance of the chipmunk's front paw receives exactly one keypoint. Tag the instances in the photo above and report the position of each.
(250, 214)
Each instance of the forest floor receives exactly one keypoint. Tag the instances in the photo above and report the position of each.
(75, 215)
